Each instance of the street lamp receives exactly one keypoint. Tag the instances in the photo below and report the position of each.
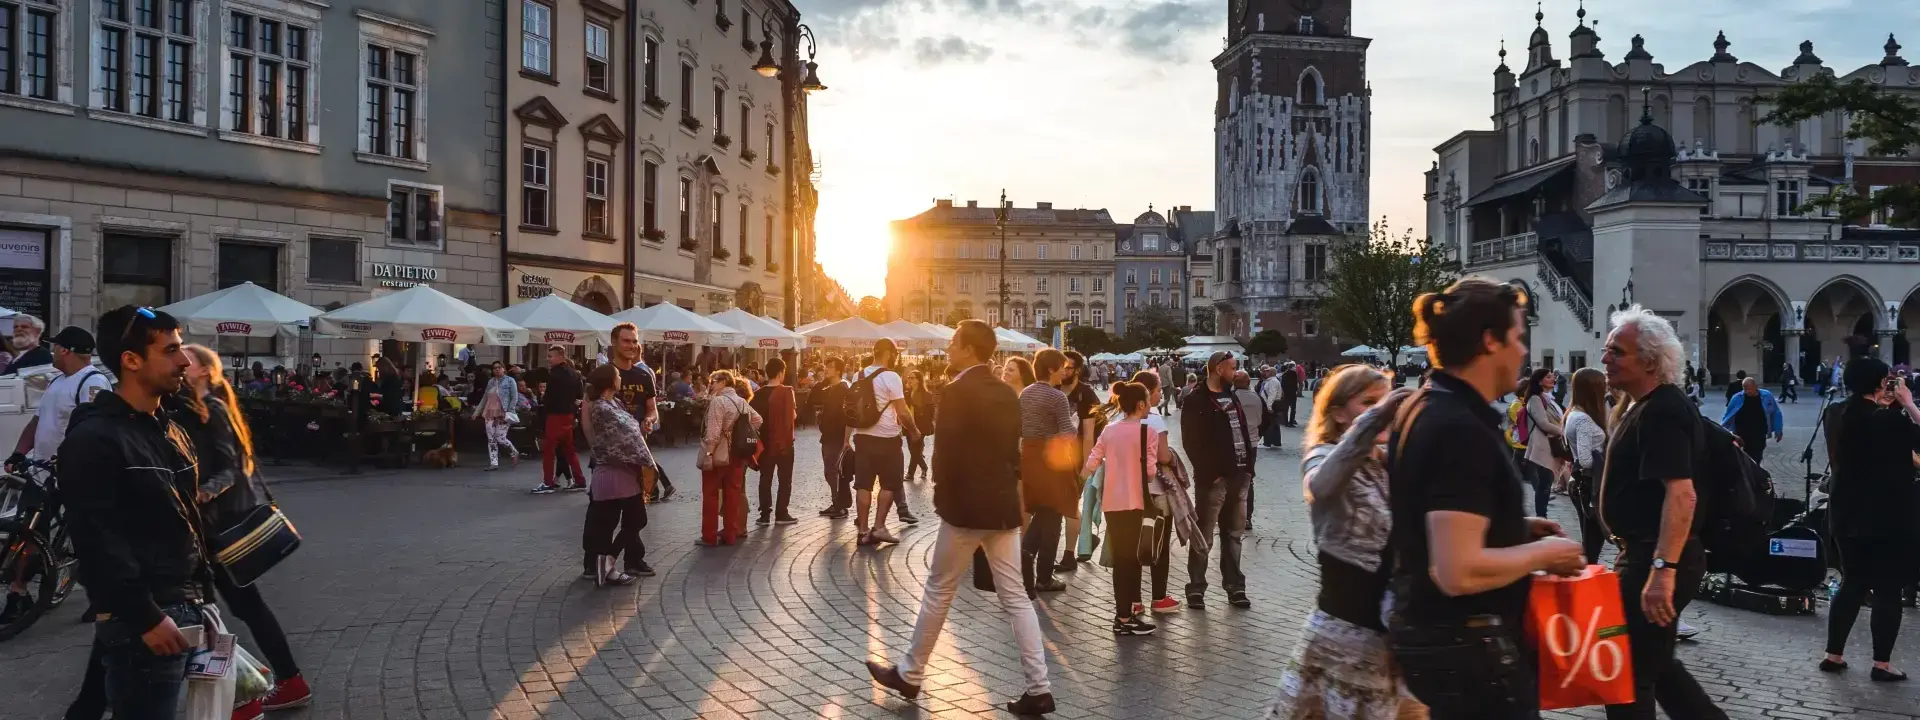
(1000, 221)
(768, 67)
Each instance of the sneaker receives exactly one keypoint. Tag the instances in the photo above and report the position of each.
(1238, 598)
(249, 711)
(889, 677)
(1197, 602)
(541, 489)
(784, 520)
(907, 517)
(640, 569)
(1166, 605)
(764, 519)
(577, 486)
(289, 693)
(1133, 626)
(1686, 632)
(1032, 705)
(838, 515)
(1138, 609)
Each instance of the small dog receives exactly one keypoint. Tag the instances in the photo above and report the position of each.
(441, 458)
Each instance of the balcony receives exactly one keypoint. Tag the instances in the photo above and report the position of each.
(1507, 249)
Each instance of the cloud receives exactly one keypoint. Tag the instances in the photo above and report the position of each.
(929, 51)
(1160, 31)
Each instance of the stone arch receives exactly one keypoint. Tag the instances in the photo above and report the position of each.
(1745, 325)
(1310, 88)
(1769, 286)
(1844, 326)
(598, 294)
(1865, 288)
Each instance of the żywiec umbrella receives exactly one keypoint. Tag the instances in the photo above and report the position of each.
(670, 323)
(851, 333)
(557, 320)
(815, 325)
(244, 310)
(420, 314)
(759, 331)
(1014, 341)
(913, 337)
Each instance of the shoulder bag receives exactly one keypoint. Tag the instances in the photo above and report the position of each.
(260, 540)
(1556, 444)
(1152, 525)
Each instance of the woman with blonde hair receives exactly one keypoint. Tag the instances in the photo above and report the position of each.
(723, 477)
(1343, 667)
(1586, 427)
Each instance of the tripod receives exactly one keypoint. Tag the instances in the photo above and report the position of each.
(1806, 455)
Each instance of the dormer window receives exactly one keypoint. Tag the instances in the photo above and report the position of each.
(1306, 24)
(1150, 241)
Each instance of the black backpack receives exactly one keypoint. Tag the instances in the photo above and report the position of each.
(860, 407)
(745, 441)
(1736, 498)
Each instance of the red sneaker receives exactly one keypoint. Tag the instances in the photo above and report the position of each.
(249, 711)
(289, 693)
(1166, 604)
(1138, 608)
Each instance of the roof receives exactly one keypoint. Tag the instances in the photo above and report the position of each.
(1524, 182)
(950, 215)
(1311, 225)
(1659, 190)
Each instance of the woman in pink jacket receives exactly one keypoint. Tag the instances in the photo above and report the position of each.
(1128, 450)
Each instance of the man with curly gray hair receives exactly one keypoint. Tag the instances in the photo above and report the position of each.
(1647, 501)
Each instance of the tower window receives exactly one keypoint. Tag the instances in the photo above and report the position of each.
(1310, 90)
(1306, 24)
(1309, 191)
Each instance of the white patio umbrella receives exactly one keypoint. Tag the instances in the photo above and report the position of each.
(945, 333)
(1360, 351)
(1014, 341)
(557, 320)
(913, 337)
(851, 333)
(815, 325)
(759, 331)
(244, 310)
(670, 323)
(420, 314)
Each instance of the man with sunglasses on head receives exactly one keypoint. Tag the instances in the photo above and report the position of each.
(128, 476)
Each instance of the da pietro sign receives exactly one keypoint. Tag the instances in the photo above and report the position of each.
(404, 276)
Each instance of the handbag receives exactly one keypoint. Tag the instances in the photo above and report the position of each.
(1151, 524)
(251, 547)
(1556, 445)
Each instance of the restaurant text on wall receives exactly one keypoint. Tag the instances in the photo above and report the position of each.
(402, 276)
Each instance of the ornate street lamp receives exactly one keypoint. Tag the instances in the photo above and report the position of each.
(768, 67)
(1000, 221)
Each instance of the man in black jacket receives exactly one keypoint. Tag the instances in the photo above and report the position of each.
(128, 478)
(836, 443)
(1215, 432)
(561, 405)
(976, 490)
(1289, 395)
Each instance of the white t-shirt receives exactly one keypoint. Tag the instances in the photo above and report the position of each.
(57, 405)
(887, 388)
(1156, 423)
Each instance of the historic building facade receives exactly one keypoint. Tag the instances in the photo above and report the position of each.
(945, 264)
(153, 152)
(1149, 268)
(1292, 144)
(1193, 229)
(1581, 195)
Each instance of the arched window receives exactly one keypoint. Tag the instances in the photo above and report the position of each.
(1533, 151)
(1311, 90)
(1309, 201)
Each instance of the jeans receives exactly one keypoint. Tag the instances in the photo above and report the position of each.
(1541, 478)
(722, 496)
(1123, 542)
(1658, 677)
(139, 684)
(1039, 546)
(246, 605)
(837, 465)
(780, 463)
(952, 560)
(1593, 536)
(1881, 565)
(613, 529)
(1219, 502)
(917, 454)
(557, 444)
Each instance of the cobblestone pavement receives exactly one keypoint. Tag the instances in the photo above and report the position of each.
(454, 594)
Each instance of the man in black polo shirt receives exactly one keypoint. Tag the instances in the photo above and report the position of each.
(1647, 499)
(1465, 548)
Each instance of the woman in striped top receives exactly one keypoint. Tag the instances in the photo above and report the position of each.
(1049, 449)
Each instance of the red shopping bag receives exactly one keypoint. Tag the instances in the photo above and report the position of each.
(1579, 629)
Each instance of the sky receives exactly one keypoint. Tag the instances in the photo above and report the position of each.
(1109, 103)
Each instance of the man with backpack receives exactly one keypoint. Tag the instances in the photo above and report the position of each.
(1648, 499)
(876, 408)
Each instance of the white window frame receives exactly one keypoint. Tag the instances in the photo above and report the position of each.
(1040, 284)
(1040, 317)
(1074, 285)
(1153, 298)
(536, 176)
(1097, 252)
(299, 15)
(1073, 315)
(436, 226)
(536, 37)
(1133, 299)
(965, 251)
(603, 55)
(1099, 284)
(939, 284)
(1153, 276)
(1040, 253)
(966, 282)
(1173, 299)
(1784, 190)
(1150, 241)
(1133, 276)
(1099, 317)
(597, 207)
(395, 35)
(60, 79)
(193, 104)
(1073, 252)
(1199, 287)
(1017, 252)
(1173, 277)
(993, 314)
(993, 251)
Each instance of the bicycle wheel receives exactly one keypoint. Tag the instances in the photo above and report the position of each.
(62, 578)
(18, 561)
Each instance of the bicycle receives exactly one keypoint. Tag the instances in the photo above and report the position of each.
(35, 550)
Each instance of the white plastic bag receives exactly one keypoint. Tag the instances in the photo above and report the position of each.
(211, 698)
(252, 679)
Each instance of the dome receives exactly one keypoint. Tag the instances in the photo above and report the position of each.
(1150, 218)
(1647, 142)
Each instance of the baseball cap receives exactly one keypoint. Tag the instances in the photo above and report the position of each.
(75, 339)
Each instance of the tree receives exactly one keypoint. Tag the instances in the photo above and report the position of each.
(956, 315)
(1267, 342)
(1889, 122)
(1203, 320)
(873, 310)
(1372, 285)
(1156, 326)
(1090, 340)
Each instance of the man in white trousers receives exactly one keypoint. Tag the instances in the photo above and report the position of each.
(976, 489)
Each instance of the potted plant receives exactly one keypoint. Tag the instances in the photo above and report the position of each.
(656, 103)
(720, 18)
(773, 266)
(720, 252)
(773, 169)
(722, 140)
(689, 244)
(655, 235)
(690, 122)
(749, 155)
(746, 260)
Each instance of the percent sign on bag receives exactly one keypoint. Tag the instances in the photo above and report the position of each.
(1594, 650)
(1579, 627)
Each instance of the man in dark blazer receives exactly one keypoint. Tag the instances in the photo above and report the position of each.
(976, 489)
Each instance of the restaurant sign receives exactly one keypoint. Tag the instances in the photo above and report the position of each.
(674, 336)
(438, 334)
(562, 337)
(769, 343)
(404, 276)
(531, 286)
(233, 328)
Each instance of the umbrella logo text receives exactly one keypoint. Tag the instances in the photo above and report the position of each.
(559, 336)
(233, 328)
(769, 343)
(674, 336)
(438, 334)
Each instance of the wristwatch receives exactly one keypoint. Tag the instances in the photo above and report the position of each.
(1662, 564)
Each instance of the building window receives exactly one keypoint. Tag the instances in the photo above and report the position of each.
(1316, 258)
(1306, 24)
(939, 284)
(993, 315)
(1153, 298)
(258, 264)
(147, 58)
(596, 205)
(1173, 299)
(1073, 285)
(28, 49)
(1099, 317)
(746, 141)
(1882, 215)
(413, 215)
(964, 251)
(650, 68)
(1073, 315)
(650, 200)
(1132, 299)
(713, 218)
(686, 210)
(599, 58)
(536, 37)
(1173, 277)
(771, 257)
(333, 260)
(966, 282)
(1703, 186)
(743, 232)
(1309, 327)
(773, 149)
(1153, 276)
(686, 92)
(1040, 317)
(1040, 284)
(392, 102)
(1149, 241)
(536, 186)
(1099, 284)
(1098, 253)
(269, 71)
(1073, 252)
(136, 270)
(1199, 287)
(1309, 190)
(1133, 276)
(1040, 251)
(719, 111)
(993, 251)
(1533, 150)
(1017, 252)
(1786, 194)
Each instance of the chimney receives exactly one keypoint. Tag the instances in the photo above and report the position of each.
(943, 202)
(1186, 208)
(973, 203)
(1043, 206)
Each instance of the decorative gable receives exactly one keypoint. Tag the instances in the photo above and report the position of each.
(603, 129)
(540, 112)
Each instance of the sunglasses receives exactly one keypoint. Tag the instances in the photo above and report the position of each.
(138, 313)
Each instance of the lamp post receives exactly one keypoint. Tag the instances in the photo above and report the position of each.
(1000, 221)
(793, 92)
